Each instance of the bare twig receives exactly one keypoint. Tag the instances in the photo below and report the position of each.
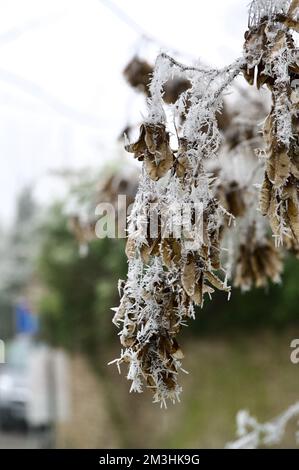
(263, 434)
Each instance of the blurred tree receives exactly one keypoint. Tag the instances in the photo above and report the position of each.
(80, 290)
(19, 248)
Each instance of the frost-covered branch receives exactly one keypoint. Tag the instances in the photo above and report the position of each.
(182, 217)
(187, 68)
(253, 434)
(174, 268)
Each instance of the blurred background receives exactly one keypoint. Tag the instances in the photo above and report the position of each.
(72, 81)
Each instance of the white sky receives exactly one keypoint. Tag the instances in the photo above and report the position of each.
(63, 100)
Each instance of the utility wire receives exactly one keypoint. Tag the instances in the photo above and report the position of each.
(36, 91)
(134, 26)
(125, 18)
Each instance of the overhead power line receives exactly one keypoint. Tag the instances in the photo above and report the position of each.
(134, 26)
(36, 91)
(31, 25)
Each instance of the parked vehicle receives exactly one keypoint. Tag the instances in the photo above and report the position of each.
(25, 394)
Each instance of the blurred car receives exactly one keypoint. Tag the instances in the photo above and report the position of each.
(18, 397)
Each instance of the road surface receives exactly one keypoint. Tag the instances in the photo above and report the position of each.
(26, 440)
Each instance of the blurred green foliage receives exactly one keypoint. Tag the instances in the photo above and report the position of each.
(275, 307)
(79, 290)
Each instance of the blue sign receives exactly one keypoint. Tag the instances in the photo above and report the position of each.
(26, 321)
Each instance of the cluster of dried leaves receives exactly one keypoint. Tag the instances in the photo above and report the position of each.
(254, 260)
(257, 263)
(138, 74)
(105, 189)
(168, 272)
(272, 60)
